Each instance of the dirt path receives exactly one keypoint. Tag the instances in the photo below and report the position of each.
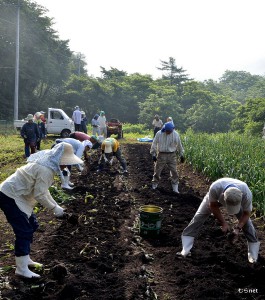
(103, 257)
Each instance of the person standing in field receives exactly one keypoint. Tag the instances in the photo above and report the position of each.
(157, 124)
(41, 127)
(169, 119)
(235, 196)
(30, 133)
(164, 149)
(42, 117)
(83, 122)
(77, 117)
(102, 124)
(20, 193)
(95, 125)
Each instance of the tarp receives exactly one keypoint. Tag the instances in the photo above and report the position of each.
(145, 139)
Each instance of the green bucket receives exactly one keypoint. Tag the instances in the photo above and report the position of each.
(150, 220)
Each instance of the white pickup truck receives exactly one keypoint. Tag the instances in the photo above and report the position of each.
(57, 122)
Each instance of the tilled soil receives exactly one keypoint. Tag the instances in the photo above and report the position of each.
(97, 252)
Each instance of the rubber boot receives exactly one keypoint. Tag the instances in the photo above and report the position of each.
(187, 244)
(175, 187)
(65, 183)
(253, 252)
(35, 264)
(71, 184)
(22, 267)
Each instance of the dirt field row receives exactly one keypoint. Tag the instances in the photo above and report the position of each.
(101, 256)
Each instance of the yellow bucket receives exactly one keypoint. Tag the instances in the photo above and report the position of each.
(150, 220)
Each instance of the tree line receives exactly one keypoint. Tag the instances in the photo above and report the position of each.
(51, 75)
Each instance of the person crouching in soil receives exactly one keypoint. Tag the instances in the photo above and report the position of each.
(81, 136)
(20, 192)
(236, 197)
(111, 147)
(167, 144)
(80, 149)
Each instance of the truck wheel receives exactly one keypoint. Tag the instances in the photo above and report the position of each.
(65, 133)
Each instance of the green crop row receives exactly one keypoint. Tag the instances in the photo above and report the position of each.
(229, 155)
(11, 154)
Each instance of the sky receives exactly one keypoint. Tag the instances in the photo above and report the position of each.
(205, 37)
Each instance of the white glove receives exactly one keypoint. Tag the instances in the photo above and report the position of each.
(99, 161)
(58, 211)
(111, 161)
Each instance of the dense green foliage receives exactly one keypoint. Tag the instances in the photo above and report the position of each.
(229, 155)
(45, 60)
(51, 75)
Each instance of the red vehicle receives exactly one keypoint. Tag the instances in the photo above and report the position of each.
(114, 126)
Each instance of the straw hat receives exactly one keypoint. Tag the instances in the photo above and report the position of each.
(68, 157)
(108, 148)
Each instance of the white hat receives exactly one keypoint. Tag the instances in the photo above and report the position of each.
(87, 143)
(68, 157)
(233, 198)
(29, 117)
(38, 114)
(108, 148)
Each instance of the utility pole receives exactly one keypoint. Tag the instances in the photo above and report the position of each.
(17, 64)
